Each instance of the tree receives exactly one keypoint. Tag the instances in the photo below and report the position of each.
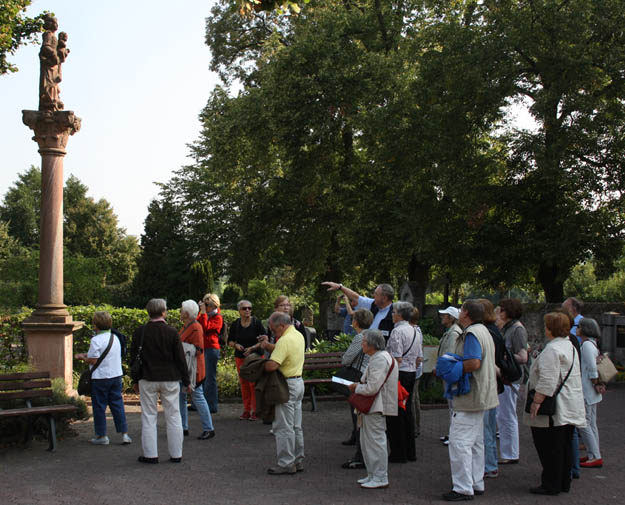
(21, 208)
(16, 30)
(98, 253)
(561, 196)
(166, 267)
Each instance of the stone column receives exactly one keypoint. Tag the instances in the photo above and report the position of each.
(49, 330)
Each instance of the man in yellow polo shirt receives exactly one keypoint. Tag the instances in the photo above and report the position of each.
(287, 356)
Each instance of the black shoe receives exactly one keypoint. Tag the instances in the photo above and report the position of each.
(478, 492)
(185, 433)
(206, 435)
(542, 490)
(175, 460)
(453, 496)
(349, 441)
(353, 464)
(143, 459)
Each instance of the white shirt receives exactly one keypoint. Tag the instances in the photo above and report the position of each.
(405, 343)
(589, 371)
(111, 366)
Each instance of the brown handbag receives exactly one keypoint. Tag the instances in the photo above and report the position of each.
(362, 403)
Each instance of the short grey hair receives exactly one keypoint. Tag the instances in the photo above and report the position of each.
(577, 304)
(375, 339)
(387, 290)
(241, 302)
(156, 307)
(191, 308)
(278, 318)
(403, 310)
(589, 328)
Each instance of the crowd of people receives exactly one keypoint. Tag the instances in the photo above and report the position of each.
(479, 343)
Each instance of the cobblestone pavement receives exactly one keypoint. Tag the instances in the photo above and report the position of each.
(231, 468)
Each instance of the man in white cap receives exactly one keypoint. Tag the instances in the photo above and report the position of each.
(449, 319)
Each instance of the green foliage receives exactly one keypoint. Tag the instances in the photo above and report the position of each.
(16, 30)
(584, 284)
(431, 391)
(340, 343)
(99, 258)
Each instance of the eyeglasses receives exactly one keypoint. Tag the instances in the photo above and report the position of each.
(284, 305)
(245, 308)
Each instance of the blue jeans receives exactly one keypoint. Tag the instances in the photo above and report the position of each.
(211, 356)
(200, 404)
(490, 440)
(108, 392)
(575, 451)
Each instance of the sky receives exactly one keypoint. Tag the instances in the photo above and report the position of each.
(138, 76)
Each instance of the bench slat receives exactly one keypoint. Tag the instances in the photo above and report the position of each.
(46, 409)
(24, 375)
(8, 386)
(33, 393)
(328, 366)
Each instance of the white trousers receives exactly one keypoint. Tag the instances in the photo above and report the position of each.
(466, 451)
(287, 425)
(373, 446)
(590, 433)
(169, 391)
(508, 423)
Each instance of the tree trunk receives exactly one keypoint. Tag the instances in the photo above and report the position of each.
(551, 282)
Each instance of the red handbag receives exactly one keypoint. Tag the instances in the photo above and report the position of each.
(362, 403)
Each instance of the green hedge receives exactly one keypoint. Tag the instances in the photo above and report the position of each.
(12, 348)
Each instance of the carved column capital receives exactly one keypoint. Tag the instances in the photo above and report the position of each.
(52, 129)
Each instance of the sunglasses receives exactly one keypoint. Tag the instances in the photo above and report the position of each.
(245, 308)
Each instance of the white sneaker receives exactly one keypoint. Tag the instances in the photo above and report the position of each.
(100, 440)
(126, 439)
(374, 484)
(364, 479)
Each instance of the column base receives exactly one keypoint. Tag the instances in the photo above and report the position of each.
(50, 346)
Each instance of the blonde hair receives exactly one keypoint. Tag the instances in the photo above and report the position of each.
(211, 299)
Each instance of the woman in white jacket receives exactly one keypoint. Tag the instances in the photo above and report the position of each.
(376, 381)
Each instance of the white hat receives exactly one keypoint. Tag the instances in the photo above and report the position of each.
(452, 311)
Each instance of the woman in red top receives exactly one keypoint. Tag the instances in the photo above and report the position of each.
(191, 333)
(211, 321)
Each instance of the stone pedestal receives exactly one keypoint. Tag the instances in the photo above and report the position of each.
(49, 330)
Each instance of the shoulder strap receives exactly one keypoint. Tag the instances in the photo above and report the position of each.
(388, 374)
(567, 375)
(103, 355)
(413, 339)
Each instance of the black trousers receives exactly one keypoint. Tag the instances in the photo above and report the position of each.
(555, 452)
(400, 428)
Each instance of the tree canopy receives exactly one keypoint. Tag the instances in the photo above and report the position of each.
(371, 142)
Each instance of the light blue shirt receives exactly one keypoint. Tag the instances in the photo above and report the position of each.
(576, 321)
(365, 303)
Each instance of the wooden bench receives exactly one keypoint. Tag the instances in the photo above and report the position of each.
(320, 361)
(29, 386)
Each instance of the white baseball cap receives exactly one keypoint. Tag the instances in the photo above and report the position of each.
(452, 311)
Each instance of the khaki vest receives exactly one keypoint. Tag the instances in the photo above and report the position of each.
(483, 394)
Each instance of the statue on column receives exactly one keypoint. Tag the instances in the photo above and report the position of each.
(51, 56)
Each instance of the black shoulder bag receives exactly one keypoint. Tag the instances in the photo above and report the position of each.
(348, 372)
(136, 368)
(548, 406)
(84, 383)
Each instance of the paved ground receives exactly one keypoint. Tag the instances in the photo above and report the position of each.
(230, 469)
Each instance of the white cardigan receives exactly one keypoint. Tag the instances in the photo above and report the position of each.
(547, 373)
(386, 401)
